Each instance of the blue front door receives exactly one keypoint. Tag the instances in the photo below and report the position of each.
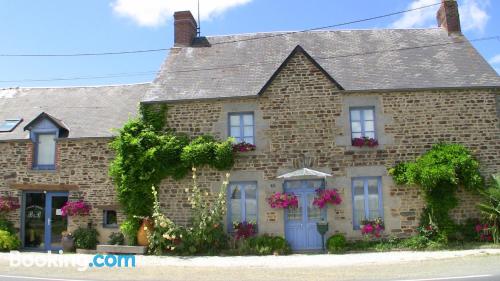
(42, 222)
(300, 223)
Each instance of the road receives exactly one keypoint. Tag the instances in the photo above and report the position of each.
(469, 268)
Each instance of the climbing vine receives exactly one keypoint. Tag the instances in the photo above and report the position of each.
(147, 152)
(439, 172)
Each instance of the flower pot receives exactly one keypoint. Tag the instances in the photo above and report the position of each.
(68, 244)
(142, 233)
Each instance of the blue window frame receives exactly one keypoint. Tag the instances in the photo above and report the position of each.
(9, 125)
(367, 200)
(45, 151)
(242, 127)
(242, 202)
(362, 122)
(110, 219)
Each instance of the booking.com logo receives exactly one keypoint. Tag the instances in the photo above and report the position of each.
(80, 262)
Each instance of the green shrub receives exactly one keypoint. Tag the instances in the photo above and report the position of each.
(266, 245)
(336, 243)
(129, 229)
(86, 238)
(8, 241)
(7, 226)
(116, 238)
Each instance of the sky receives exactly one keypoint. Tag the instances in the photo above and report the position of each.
(88, 26)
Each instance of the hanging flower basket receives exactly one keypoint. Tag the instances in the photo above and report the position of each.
(243, 147)
(364, 141)
(8, 204)
(283, 200)
(326, 196)
(76, 208)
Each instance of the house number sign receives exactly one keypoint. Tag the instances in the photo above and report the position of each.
(271, 216)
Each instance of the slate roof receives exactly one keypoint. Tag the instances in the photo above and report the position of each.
(356, 59)
(86, 111)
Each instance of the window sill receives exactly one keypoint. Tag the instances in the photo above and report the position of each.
(50, 171)
(364, 148)
(111, 226)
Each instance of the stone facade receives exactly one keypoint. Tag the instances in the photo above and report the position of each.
(302, 114)
(81, 169)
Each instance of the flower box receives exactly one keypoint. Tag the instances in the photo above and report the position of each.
(75, 208)
(372, 228)
(326, 196)
(243, 147)
(364, 141)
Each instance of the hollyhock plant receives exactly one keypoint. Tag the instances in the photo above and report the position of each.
(326, 196)
(244, 229)
(364, 141)
(243, 147)
(8, 204)
(372, 228)
(76, 208)
(280, 200)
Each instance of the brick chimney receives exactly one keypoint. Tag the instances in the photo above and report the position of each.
(185, 29)
(448, 17)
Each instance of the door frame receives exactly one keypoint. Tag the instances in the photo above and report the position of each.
(305, 190)
(47, 214)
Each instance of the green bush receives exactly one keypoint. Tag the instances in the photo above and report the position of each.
(266, 245)
(336, 243)
(116, 238)
(7, 226)
(86, 238)
(129, 229)
(8, 241)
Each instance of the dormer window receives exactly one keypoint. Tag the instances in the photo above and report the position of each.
(9, 125)
(44, 132)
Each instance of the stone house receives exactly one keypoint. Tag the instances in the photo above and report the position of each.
(54, 147)
(300, 98)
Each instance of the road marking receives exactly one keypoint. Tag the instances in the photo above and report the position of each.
(41, 278)
(449, 278)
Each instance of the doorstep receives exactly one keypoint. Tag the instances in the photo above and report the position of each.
(121, 249)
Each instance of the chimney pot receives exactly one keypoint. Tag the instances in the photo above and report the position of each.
(185, 29)
(448, 17)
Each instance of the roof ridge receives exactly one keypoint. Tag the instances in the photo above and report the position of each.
(75, 87)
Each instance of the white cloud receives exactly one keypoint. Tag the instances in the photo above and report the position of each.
(495, 59)
(157, 12)
(473, 15)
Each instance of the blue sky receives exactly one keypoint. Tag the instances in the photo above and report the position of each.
(76, 26)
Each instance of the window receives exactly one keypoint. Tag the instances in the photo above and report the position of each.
(9, 125)
(362, 122)
(242, 202)
(45, 151)
(241, 127)
(109, 219)
(367, 199)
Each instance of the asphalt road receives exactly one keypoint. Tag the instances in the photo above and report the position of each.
(473, 268)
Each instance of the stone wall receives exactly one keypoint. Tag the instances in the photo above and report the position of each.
(82, 166)
(302, 114)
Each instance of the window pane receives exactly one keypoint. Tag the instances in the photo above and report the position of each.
(356, 127)
(235, 204)
(46, 150)
(370, 135)
(248, 131)
(249, 140)
(368, 114)
(356, 135)
(314, 184)
(355, 115)
(369, 126)
(110, 217)
(373, 199)
(235, 132)
(295, 214)
(234, 120)
(248, 119)
(251, 191)
(293, 184)
(359, 203)
(313, 212)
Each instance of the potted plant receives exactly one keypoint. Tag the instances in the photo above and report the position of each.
(243, 147)
(86, 239)
(280, 200)
(364, 141)
(67, 241)
(244, 230)
(372, 228)
(142, 233)
(8, 204)
(75, 208)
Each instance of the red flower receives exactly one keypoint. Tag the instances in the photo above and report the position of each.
(76, 208)
(364, 141)
(283, 200)
(324, 196)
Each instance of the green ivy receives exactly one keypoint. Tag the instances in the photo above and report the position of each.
(439, 172)
(147, 152)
